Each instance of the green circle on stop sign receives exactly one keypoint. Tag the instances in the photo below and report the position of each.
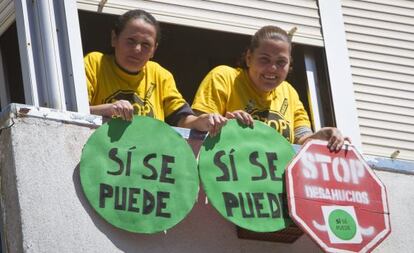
(140, 176)
(242, 172)
(342, 224)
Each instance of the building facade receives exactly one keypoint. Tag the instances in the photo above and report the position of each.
(353, 68)
(354, 65)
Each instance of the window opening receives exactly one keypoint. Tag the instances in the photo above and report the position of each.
(190, 53)
(12, 73)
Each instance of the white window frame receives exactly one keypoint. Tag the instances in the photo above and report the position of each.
(51, 54)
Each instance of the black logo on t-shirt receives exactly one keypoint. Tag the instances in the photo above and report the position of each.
(141, 106)
(273, 119)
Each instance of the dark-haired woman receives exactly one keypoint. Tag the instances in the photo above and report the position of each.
(128, 83)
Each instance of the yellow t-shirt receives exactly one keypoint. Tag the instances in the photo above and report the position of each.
(227, 89)
(152, 91)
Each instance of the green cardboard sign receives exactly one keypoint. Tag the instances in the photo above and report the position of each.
(140, 176)
(242, 172)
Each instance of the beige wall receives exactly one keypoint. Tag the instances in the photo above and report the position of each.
(380, 41)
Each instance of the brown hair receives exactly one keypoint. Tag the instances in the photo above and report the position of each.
(136, 14)
(265, 33)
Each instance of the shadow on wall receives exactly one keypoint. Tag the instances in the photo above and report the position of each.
(196, 231)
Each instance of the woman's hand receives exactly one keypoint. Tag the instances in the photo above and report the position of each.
(241, 116)
(207, 122)
(215, 122)
(120, 108)
(331, 134)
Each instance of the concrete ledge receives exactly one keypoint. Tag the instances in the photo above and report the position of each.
(21, 110)
(94, 121)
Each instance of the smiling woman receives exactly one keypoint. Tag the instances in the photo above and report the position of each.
(128, 82)
(269, 65)
(258, 90)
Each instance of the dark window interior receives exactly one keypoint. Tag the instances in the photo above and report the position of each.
(190, 53)
(187, 52)
(298, 79)
(11, 63)
(327, 113)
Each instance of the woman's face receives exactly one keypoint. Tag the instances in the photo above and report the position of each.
(269, 64)
(135, 45)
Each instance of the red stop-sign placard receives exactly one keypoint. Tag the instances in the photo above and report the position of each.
(337, 199)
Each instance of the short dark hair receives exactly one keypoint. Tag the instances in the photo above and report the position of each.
(122, 20)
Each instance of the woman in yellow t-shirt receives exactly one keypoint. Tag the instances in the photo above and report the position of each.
(128, 83)
(258, 90)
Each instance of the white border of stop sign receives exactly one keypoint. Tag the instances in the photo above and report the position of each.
(334, 169)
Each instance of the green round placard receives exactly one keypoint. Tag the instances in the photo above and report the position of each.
(242, 172)
(140, 176)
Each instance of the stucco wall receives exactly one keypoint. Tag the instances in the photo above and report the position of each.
(400, 189)
(45, 210)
